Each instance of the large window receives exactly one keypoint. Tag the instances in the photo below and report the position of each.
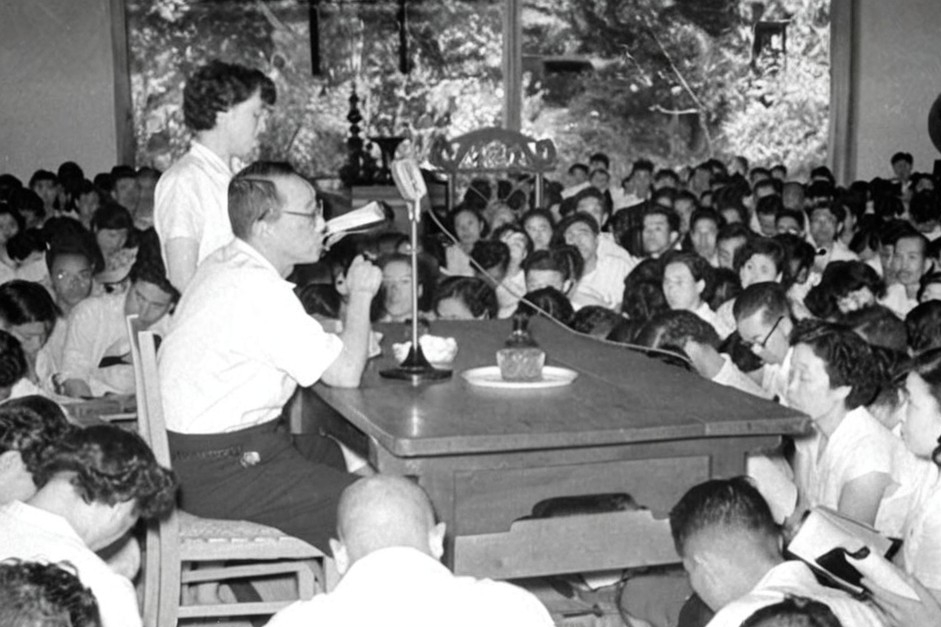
(676, 81)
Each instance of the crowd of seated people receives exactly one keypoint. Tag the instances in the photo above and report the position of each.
(823, 298)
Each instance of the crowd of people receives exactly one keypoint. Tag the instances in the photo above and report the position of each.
(821, 297)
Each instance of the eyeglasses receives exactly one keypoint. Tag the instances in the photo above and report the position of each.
(317, 213)
(764, 342)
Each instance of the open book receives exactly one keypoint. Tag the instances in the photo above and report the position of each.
(845, 551)
(367, 216)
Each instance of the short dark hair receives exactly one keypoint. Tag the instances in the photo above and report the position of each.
(902, 156)
(705, 213)
(476, 294)
(42, 175)
(843, 277)
(149, 266)
(733, 504)
(112, 216)
(550, 300)
(673, 218)
(879, 327)
(675, 328)
(595, 320)
(643, 299)
(767, 246)
(216, 87)
(699, 268)
(111, 466)
(571, 219)
(735, 230)
(768, 298)
(603, 158)
(847, 358)
(578, 167)
(500, 232)
(642, 164)
(923, 324)
(13, 366)
(793, 214)
(769, 205)
(253, 195)
(25, 302)
(491, 254)
(794, 612)
(37, 593)
(33, 433)
(564, 259)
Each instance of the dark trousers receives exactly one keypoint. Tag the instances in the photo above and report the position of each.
(265, 475)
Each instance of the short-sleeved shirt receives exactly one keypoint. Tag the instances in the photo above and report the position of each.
(34, 534)
(604, 285)
(795, 579)
(922, 535)
(239, 344)
(191, 201)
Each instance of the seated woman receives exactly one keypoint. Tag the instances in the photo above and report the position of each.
(852, 463)
(468, 226)
(10, 224)
(513, 284)
(759, 260)
(687, 284)
(113, 228)
(464, 298)
(28, 250)
(13, 369)
(547, 302)
(538, 224)
(96, 356)
(393, 302)
(28, 313)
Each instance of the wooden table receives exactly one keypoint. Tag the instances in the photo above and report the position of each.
(627, 424)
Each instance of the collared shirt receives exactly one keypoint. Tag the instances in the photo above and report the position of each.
(922, 535)
(837, 252)
(796, 579)
(191, 201)
(896, 298)
(705, 312)
(774, 378)
(403, 587)
(730, 375)
(604, 285)
(30, 533)
(509, 292)
(97, 330)
(239, 345)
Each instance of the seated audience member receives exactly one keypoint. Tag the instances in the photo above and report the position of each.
(38, 594)
(923, 325)
(11, 223)
(637, 185)
(577, 180)
(468, 226)
(685, 204)
(559, 267)
(794, 611)
(547, 300)
(29, 206)
(700, 342)
(763, 320)
(113, 227)
(29, 314)
(666, 178)
(27, 249)
(602, 279)
(909, 265)
(124, 189)
(147, 179)
(703, 234)
(95, 487)
(464, 298)
(387, 551)
(491, 260)
(925, 212)
(71, 272)
(729, 240)
(27, 438)
(96, 356)
(826, 224)
(45, 184)
(688, 284)
(766, 213)
(13, 369)
(225, 106)
(595, 321)
(851, 285)
(731, 548)
(800, 262)
(879, 327)
(852, 463)
(726, 286)
(789, 221)
(661, 231)
(395, 294)
(921, 432)
(513, 284)
(239, 322)
(538, 224)
(320, 300)
(760, 260)
(930, 287)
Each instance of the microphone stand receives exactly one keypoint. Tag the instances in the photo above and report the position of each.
(416, 367)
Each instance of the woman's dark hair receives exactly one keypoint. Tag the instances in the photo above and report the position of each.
(476, 294)
(923, 324)
(25, 243)
(113, 466)
(643, 300)
(537, 213)
(320, 299)
(501, 232)
(216, 87)
(929, 279)
(65, 236)
(13, 365)
(7, 209)
(595, 320)
(549, 300)
(491, 254)
(767, 246)
(112, 216)
(38, 593)
(149, 265)
(427, 280)
(699, 268)
(24, 302)
(727, 285)
(625, 332)
(31, 428)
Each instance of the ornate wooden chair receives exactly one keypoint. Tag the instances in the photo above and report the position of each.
(182, 539)
(494, 151)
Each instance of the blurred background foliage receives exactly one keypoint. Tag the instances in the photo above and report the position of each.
(672, 80)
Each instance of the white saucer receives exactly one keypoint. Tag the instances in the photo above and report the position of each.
(489, 377)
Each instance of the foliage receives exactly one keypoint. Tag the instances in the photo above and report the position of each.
(672, 79)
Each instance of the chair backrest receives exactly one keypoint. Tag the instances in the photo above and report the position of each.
(162, 542)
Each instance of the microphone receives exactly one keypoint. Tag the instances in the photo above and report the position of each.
(411, 185)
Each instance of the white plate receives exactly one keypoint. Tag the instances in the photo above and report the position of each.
(489, 377)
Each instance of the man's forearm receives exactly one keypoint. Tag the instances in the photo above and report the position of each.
(348, 367)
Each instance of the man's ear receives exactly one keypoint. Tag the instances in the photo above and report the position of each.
(567, 286)
(674, 235)
(436, 540)
(843, 391)
(340, 555)
(700, 286)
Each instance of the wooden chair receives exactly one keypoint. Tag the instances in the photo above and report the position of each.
(183, 539)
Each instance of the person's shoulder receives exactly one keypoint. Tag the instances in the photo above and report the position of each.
(302, 613)
(91, 307)
(517, 606)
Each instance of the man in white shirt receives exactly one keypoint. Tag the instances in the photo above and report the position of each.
(909, 264)
(239, 345)
(731, 549)
(387, 550)
(99, 483)
(225, 105)
(826, 223)
(763, 319)
(602, 280)
(578, 180)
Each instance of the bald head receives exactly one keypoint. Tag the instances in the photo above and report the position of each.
(385, 511)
